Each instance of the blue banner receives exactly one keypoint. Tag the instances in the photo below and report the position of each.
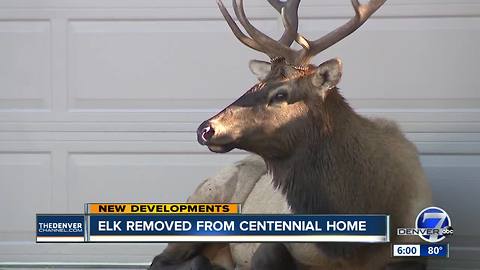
(239, 228)
(60, 228)
(212, 228)
(434, 250)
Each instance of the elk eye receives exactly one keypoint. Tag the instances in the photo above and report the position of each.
(279, 97)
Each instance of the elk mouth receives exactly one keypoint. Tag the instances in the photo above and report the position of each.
(220, 148)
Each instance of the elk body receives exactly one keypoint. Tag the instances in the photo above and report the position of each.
(323, 156)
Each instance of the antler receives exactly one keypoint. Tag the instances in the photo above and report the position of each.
(258, 40)
(289, 10)
(362, 13)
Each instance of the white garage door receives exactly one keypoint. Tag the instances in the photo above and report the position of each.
(99, 100)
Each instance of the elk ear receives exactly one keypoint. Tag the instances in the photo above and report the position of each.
(328, 74)
(259, 68)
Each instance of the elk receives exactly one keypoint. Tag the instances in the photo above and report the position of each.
(323, 156)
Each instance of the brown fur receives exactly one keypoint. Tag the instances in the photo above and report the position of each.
(326, 158)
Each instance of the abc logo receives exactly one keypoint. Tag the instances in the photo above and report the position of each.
(434, 223)
(447, 231)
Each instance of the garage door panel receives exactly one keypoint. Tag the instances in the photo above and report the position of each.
(25, 80)
(456, 177)
(424, 69)
(25, 189)
(138, 65)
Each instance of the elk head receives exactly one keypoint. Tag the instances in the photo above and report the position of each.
(292, 95)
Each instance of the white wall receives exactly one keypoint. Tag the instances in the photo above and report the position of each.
(99, 101)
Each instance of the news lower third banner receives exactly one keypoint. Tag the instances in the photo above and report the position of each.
(220, 224)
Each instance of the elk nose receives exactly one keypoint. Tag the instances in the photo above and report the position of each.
(205, 132)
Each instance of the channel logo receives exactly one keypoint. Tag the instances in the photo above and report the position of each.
(432, 225)
(437, 219)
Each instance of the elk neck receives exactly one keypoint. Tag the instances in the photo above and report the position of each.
(322, 175)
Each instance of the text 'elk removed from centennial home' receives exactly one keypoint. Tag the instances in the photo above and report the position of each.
(269, 225)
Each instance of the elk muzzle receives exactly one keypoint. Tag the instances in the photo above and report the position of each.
(205, 136)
